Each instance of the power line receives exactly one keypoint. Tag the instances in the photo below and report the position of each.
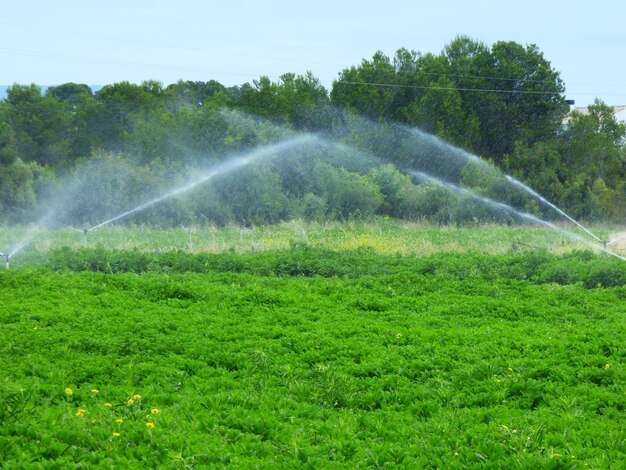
(431, 87)
(31, 53)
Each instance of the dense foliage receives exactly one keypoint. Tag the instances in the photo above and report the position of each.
(309, 358)
(125, 143)
(581, 268)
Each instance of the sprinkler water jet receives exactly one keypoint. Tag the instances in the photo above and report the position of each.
(529, 217)
(534, 193)
(232, 164)
(615, 240)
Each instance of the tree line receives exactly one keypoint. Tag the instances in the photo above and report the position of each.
(504, 103)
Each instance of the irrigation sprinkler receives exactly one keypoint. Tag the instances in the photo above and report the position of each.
(85, 232)
(6, 257)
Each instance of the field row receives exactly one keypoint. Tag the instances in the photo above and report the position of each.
(385, 236)
(420, 368)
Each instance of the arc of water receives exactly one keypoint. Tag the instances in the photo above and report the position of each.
(220, 169)
(66, 226)
(545, 201)
(525, 215)
(30, 234)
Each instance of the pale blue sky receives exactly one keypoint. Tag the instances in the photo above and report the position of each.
(236, 41)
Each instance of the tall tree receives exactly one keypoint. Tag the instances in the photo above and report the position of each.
(290, 100)
(368, 89)
(596, 144)
(41, 125)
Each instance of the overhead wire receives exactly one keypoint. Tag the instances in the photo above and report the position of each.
(31, 53)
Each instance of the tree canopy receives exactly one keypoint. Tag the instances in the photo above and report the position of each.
(504, 103)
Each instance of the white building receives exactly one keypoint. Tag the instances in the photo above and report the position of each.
(618, 111)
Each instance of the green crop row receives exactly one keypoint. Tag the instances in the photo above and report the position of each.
(310, 359)
(584, 268)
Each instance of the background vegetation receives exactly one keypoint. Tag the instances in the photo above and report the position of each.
(503, 102)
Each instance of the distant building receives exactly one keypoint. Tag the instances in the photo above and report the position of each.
(618, 111)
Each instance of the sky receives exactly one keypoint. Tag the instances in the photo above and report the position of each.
(237, 41)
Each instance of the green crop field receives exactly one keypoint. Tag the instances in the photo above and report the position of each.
(385, 236)
(341, 351)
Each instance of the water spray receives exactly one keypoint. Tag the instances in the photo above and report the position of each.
(227, 166)
(524, 215)
(521, 185)
(610, 242)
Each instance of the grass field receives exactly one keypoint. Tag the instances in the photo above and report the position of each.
(385, 236)
(344, 353)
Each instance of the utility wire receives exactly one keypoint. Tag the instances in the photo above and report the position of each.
(31, 53)
(430, 87)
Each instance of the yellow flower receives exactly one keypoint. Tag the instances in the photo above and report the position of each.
(95, 391)
(155, 411)
(81, 412)
(150, 425)
(607, 366)
(130, 401)
(107, 404)
(136, 397)
(68, 391)
(116, 434)
(119, 421)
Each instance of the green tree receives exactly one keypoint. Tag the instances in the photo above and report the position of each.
(595, 144)
(8, 141)
(17, 186)
(368, 89)
(41, 125)
(116, 106)
(71, 93)
(511, 89)
(347, 194)
(190, 93)
(253, 195)
(290, 100)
